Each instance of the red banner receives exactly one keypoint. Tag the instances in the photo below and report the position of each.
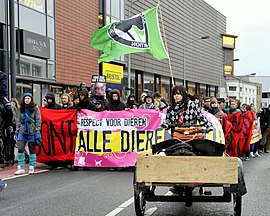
(238, 139)
(59, 132)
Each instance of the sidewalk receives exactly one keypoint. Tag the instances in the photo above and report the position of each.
(8, 172)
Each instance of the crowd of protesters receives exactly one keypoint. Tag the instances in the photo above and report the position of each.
(85, 98)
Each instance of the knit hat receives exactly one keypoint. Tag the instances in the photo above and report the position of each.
(28, 95)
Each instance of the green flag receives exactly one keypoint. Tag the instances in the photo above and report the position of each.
(139, 33)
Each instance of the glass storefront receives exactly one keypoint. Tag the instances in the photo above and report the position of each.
(35, 33)
(165, 88)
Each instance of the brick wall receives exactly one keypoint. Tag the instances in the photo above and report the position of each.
(76, 61)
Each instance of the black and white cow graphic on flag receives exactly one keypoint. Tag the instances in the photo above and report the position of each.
(131, 32)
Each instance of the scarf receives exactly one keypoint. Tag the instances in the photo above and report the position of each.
(214, 110)
(231, 110)
(26, 121)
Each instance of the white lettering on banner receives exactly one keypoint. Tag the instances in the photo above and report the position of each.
(128, 124)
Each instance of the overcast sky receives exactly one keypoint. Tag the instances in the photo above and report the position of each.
(250, 21)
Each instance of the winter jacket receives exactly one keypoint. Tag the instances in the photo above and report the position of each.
(115, 105)
(33, 129)
(3, 84)
(53, 104)
(130, 103)
(178, 114)
(228, 110)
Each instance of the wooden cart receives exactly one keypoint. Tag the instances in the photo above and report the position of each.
(187, 172)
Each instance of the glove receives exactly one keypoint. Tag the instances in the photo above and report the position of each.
(165, 126)
(37, 136)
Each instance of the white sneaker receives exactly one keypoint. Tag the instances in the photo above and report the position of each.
(31, 170)
(251, 155)
(19, 172)
(256, 154)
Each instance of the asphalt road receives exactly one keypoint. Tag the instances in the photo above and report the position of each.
(106, 193)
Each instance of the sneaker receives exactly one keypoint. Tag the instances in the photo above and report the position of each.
(5, 185)
(251, 155)
(31, 170)
(19, 172)
(256, 154)
(247, 158)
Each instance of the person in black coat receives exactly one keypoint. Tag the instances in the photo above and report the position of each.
(84, 102)
(115, 104)
(131, 101)
(4, 100)
(51, 104)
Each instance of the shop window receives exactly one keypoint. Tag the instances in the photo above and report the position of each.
(148, 86)
(58, 91)
(165, 88)
(25, 69)
(37, 94)
(36, 70)
(22, 88)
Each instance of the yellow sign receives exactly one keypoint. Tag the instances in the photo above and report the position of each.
(227, 70)
(114, 73)
(228, 42)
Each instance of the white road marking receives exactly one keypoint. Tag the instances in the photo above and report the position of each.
(150, 211)
(121, 207)
(26, 174)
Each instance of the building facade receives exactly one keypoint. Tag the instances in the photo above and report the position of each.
(62, 30)
(41, 40)
(265, 90)
(197, 61)
(242, 89)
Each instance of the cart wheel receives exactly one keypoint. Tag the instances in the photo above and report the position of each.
(139, 200)
(237, 204)
(139, 197)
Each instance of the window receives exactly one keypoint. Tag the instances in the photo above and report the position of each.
(2, 11)
(36, 70)
(232, 88)
(241, 89)
(25, 69)
(38, 5)
(246, 90)
(50, 7)
(32, 21)
(266, 95)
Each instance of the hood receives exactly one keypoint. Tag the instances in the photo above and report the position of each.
(129, 101)
(51, 96)
(115, 91)
(83, 92)
(148, 96)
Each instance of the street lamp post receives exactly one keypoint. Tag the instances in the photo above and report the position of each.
(184, 59)
(129, 55)
(222, 71)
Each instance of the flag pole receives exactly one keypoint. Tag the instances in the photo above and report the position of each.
(165, 42)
